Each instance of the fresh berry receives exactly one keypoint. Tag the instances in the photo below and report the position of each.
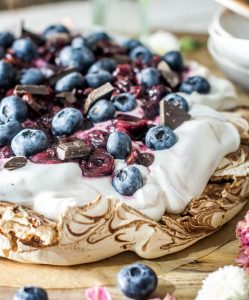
(80, 58)
(25, 49)
(7, 75)
(46, 157)
(197, 84)
(97, 138)
(124, 102)
(131, 44)
(29, 142)
(101, 111)
(160, 137)
(137, 281)
(149, 77)
(6, 39)
(119, 145)
(141, 53)
(31, 293)
(178, 101)
(127, 180)
(99, 163)
(54, 29)
(95, 37)
(174, 60)
(79, 42)
(107, 64)
(67, 121)
(8, 130)
(32, 76)
(13, 107)
(69, 82)
(97, 78)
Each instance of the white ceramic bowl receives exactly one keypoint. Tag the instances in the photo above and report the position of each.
(230, 35)
(233, 71)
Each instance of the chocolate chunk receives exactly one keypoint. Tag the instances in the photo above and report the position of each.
(68, 97)
(170, 76)
(104, 91)
(33, 103)
(32, 89)
(36, 38)
(75, 148)
(121, 58)
(59, 36)
(15, 162)
(172, 115)
(59, 74)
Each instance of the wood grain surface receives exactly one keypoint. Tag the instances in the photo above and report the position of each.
(184, 281)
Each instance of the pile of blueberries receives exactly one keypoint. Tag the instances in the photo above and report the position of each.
(31, 126)
(136, 281)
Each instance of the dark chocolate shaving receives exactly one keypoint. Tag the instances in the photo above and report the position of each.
(59, 74)
(33, 103)
(15, 162)
(170, 76)
(72, 149)
(104, 91)
(121, 58)
(172, 115)
(32, 89)
(38, 39)
(68, 97)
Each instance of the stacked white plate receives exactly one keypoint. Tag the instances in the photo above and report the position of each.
(229, 45)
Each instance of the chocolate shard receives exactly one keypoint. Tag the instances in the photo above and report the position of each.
(59, 74)
(74, 148)
(32, 89)
(172, 115)
(15, 162)
(170, 76)
(68, 97)
(61, 36)
(38, 39)
(33, 103)
(121, 58)
(104, 91)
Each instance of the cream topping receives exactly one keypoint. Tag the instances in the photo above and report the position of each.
(176, 176)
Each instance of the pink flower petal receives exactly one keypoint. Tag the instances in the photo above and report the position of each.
(98, 293)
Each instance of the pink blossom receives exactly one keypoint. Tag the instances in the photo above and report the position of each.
(98, 293)
(242, 233)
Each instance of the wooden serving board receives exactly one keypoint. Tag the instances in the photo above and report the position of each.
(180, 274)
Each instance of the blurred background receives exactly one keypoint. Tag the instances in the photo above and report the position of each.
(121, 16)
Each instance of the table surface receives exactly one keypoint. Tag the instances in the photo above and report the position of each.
(185, 281)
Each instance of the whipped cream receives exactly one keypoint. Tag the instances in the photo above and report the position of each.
(222, 95)
(176, 176)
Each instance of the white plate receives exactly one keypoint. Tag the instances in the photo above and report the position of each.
(236, 73)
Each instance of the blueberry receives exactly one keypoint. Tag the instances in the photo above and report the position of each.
(7, 75)
(69, 82)
(137, 281)
(67, 121)
(6, 39)
(79, 42)
(107, 64)
(131, 44)
(54, 29)
(93, 38)
(13, 107)
(29, 142)
(127, 180)
(160, 137)
(195, 84)
(174, 60)
(101, 111)
(80, 58)
(31, 293)
(8, 130)
(32, 76)
(119, 144)
(178, 101)
(149, 77)
(97, 78)
(25, 49)
(142, 53)
(124, 102)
